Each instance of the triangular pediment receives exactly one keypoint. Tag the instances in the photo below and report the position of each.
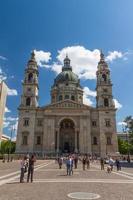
(67, 104)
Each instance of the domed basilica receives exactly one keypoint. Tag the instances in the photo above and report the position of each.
(67, 125)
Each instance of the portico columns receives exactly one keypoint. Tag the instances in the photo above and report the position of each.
(58, 140)
(76, 130)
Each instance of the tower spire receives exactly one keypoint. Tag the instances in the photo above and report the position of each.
(33, 55)
(101, 55)
(66, 64)
(104, 85)
(32, 61)
(30, 84)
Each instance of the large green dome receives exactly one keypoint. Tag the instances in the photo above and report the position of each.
(66, 75)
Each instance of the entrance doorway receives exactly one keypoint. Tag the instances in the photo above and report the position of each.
(67, 136)
(66, 147)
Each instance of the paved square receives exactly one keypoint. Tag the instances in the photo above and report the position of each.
(52, 183)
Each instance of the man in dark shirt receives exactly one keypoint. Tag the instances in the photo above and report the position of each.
(102, 163)
(84, 162)
(32, 160)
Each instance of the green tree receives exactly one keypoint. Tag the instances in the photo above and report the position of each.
(6, 145)
(129, 130)
(129, 124)
(123, 146)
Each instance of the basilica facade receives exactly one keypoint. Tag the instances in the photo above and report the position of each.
(67, 124)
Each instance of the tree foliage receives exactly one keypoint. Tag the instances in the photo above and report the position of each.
(126, 147)
(123, 146)
(7, 146)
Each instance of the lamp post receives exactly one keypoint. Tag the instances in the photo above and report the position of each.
(9, 149)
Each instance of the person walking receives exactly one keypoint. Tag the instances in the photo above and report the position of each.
(75, 161)
(118, 165)
(111, 163)
(69, 165)
(84, 162)
(88, 162)
(102, 163)
(32, 160)
(60, 162)
(23, 164)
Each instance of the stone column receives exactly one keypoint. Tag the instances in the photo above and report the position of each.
(58, 141)
(76, 150)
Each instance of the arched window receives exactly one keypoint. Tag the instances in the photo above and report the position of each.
(60, 98)
(106, 102)
(67, 123)
(30, 77)
(108, 140)
(25, 137)
(66, 96)
(38, 140)
(28, 101)
(25, 140)
(73, 98)
(104, 77)
(94, 140)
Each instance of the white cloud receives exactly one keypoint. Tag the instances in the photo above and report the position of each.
(127, 55)
(83, 61)
(89, 92)
(12, 92)
(3, 58)
(2, 75)
(87, 101)
(6, 124)
(14, 138)
(7, 110)
(117, 104)
(42, 58)
(86, 96)
(122, 124)
(114, 55)
(11, 123)
(11, 119)
(56, 67)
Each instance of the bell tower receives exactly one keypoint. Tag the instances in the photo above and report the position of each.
(29, 97)
(27, 108)
(106, 109)
(104, 97)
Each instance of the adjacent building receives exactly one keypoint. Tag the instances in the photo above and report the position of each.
(5, 138)
(67, 124)
(3, 95)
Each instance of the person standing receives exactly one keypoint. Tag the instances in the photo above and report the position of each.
(84, 162)
(75, 161)
(102, 163)
(69, 165)
(111, 163)
(32, 160)
(118, 165)
(60, 162)
(22, 165)
(88, 162)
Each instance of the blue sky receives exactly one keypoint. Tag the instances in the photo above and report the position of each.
(78, 27)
